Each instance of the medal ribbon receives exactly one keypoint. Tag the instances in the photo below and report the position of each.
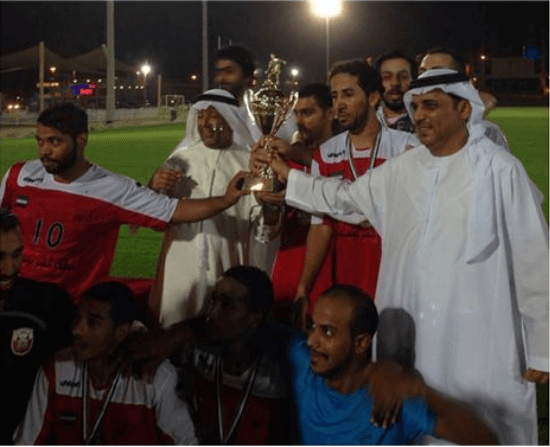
(242, 403)
(373, 154)
(87, 439)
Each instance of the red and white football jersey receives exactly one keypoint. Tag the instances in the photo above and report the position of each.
(357, 250)
(139, 413)
(70, 230)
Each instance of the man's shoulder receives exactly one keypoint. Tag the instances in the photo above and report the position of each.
(398, 141)
(498, 156)
(29, 173)
(31, 285)
(334, 149)
(37, 297)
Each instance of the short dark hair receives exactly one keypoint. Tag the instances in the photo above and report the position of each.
(260, 289)
(124, 306)
(8, 221)
(458, 63)
(396, 54)
(365, 315)
(368, 78)
(240, 55)
(65, 117)
(321, 93)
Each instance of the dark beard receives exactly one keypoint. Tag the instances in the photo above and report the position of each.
(394, 106)
(66, 164)
(360, 122)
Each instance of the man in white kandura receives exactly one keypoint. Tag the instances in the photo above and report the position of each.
(193, 257)
(465, 253)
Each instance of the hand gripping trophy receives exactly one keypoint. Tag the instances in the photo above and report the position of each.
(269, 108)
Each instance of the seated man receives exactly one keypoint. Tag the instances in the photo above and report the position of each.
(35, 321)
(81, 397)
(234, 363)
(332, 368)
(330, 373)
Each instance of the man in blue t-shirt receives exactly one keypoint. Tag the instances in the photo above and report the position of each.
(344, 398)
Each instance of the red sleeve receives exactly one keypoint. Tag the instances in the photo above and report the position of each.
(10, 185)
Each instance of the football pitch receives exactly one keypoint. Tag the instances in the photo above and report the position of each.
(137, 152)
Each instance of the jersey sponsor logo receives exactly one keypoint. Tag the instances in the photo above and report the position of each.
(33, 180)
(22, 200)
(69, 383)
(68, 418)
(22, 340)
(336, 154)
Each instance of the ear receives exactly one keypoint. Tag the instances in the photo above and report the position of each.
(121, 331)
(82, 141)
(362, 343)
(374, 98)
(465, 109)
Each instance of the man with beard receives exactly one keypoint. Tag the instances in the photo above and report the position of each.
(70, 209)
(314, 117)
(465, 254)
(234, 70)
(440, 57)
(234, 67)
(35, 321)
(397, 70)
(332, 367)
(233, 363)
(81, 397)
(356, 91)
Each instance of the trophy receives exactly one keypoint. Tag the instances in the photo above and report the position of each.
(269, 108)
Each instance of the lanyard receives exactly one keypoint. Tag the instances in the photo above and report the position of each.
(88, 438)
(373, 154)
(242, 403)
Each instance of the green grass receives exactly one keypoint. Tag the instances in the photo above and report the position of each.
(136, 152)
(527, 132)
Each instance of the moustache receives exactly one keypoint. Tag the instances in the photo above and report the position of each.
(395, 91)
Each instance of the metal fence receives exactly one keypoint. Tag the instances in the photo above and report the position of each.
(26, 118)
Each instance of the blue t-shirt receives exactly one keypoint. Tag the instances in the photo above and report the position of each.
(327, 417)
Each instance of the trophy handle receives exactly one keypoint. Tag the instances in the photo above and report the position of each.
(248, 97)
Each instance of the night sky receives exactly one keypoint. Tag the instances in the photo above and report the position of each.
(168, 34)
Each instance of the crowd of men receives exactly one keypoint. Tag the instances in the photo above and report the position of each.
(394, 291)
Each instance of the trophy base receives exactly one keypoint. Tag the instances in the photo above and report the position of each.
(252, 183)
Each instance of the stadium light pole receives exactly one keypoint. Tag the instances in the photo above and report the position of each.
(204, 45)
(145, 69)
(109, 50)
(326, 9)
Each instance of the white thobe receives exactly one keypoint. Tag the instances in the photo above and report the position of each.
(465, 254)
(200, 252)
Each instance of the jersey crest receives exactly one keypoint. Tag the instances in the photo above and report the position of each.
(22, 340)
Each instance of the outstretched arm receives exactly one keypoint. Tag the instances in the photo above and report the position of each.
(194, 210)
(389, 386)
(142, 352)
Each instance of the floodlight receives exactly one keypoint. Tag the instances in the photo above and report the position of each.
(326, 8)
(145, 69)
